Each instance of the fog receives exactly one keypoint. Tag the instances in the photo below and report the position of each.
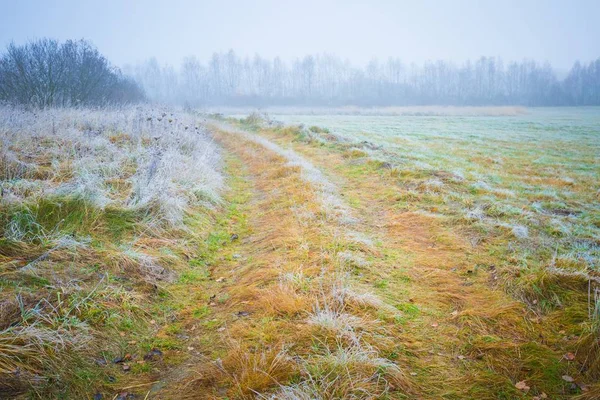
(128, 32)
(335, 52)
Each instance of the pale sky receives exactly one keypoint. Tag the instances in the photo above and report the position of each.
(131, 31)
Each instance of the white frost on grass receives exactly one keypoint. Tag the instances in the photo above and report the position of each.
(520, 231)
(348, 295)
(352, 259)
(166, 160)
(360, 238)
(334, 320)
(149, 267)
(354, 371)
(476, 213)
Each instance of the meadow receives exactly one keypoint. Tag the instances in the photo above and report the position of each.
(155, 253)
(533, 175)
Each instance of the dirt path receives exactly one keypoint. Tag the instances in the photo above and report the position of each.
(328, 291)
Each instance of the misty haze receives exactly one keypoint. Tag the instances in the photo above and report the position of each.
(300, 201)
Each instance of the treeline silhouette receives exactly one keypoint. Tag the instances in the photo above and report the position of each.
(46, 73)
(227, 79)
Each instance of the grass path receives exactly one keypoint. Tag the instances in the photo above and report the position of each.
(283, 269)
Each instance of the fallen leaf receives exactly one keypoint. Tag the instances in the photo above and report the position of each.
(569, 356)
(219, 280)
(568, 378)
(461, 357)
(435, 325)
(522, 385)
(454, 313)
(126, 368)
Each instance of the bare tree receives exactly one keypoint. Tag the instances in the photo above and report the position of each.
(47, 73)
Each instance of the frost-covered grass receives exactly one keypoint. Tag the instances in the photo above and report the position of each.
(530, 180)
(99, 214)
(135, 158)
(343, 372)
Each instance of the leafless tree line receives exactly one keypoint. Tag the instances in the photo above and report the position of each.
(227, 79)
(46, 73)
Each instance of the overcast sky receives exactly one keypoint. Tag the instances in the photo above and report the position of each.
(128, 32)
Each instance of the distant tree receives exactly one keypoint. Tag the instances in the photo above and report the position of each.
(308, 75)
(194, 82)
